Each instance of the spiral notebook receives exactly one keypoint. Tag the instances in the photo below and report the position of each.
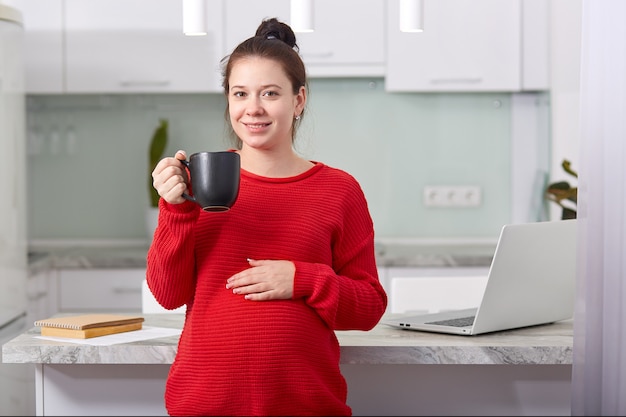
(85, 326)
(88, 321)
(531, 281)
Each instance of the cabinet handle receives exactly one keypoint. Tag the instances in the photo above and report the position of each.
(475, 80)
(146, 83)
(37, 295)
(126, 290)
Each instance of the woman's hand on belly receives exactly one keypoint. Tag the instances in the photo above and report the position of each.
(264, 280)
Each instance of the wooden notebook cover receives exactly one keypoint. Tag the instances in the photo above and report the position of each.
(91, 332)
(88, 321)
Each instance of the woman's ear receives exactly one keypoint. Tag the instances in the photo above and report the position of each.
(300, 101)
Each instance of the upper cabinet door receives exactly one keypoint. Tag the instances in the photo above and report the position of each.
(467, 45)
(130, 46)
(535, 45)
(348, 41)
(43, 45)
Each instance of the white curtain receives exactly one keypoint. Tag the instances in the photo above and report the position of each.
(599, 369)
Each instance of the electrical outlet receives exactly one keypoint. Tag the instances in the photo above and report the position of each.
(452, 196)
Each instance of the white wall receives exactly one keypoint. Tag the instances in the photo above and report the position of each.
(565, 81)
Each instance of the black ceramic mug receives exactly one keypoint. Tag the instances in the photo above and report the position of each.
(214, 179)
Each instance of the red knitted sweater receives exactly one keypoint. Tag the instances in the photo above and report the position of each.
(280, 357)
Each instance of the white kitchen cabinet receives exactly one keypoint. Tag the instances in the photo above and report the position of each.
(535, 45)
(382, 277)
(43, 45)
(430, 290)
(348, 40)
(17, 389)
(106, 289)
(465, 46)
(118, 46)
(17, 380)
(41, 294)
(137, 46)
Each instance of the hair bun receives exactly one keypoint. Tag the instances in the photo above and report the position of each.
(272, 28)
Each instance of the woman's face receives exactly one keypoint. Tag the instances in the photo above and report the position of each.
(261, 103)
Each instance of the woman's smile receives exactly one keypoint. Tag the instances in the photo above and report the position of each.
(256, 126)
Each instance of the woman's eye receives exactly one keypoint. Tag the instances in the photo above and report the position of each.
(270, 93)
(239, 94)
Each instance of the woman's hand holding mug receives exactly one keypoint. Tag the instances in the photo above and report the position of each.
(170, 178)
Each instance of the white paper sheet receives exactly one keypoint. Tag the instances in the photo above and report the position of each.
(147, 332)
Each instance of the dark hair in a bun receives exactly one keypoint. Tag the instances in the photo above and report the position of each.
(273, 40)
(274, 29)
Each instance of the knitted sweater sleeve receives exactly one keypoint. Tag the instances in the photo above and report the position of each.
(348, 295)
(170, 270)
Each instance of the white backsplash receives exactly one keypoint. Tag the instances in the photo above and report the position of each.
(87, 165)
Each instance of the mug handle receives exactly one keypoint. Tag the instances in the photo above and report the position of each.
(185, 195)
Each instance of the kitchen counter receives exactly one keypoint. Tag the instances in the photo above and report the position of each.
(545, 345)
(88, 256)
(389, 371)
(388, 253)
(519, 372)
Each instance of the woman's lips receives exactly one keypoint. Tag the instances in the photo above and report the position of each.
(256, 126)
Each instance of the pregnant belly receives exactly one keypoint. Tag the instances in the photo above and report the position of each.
(242, 330)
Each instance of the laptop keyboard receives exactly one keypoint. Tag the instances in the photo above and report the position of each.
(458, 322)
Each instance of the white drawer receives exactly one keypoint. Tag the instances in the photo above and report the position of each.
(100, 289)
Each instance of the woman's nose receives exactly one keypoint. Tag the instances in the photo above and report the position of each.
(254, 107)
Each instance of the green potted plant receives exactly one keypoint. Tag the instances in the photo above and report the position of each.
(155, 153)
(563, 194)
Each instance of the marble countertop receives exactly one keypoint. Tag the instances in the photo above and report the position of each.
(549, 344)
(134, 255)
(87, 257)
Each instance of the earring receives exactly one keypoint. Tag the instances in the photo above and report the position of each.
(297, 117)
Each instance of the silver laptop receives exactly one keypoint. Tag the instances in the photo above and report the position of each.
(531, 281)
